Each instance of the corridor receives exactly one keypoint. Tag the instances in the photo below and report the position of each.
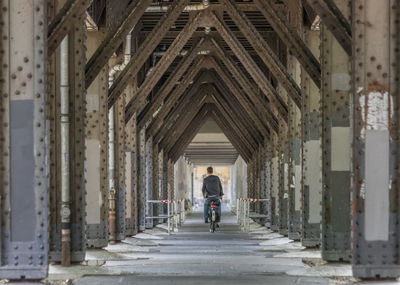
(195, 256)
(111, 112)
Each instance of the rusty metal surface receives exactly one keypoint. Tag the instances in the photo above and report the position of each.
(334, 20)
(290, 37)
(145, 50)
(113, 39)
(64, 21)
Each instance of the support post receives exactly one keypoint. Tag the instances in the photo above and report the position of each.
(375, 213)
(149, 181)
(311, 152)
(336, 144)
(96, 140)
(24, 200)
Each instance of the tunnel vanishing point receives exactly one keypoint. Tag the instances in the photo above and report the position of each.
(101, 100)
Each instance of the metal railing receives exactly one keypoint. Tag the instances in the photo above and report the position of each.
(244, 215)
(175, 213)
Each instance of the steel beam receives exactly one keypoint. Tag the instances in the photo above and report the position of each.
(375, 191)
(264, 51)
(334, 20)
(146, 114)
(113, 40)
(76, 62)
(274, 194)
(24, 198)
(149, 182)
(252, 68)
(96, 153)
(231, 135)
(311, 153)
(336, 146)
(141, 181)
(165, 61)
(62, 23)
(145, 50)
(291, 39)
(247, 86)
(178, 91)
(190, 131)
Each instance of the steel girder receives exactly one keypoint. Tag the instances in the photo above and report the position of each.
(146, 114)
(145, 50)
(252, 68)
(182, 107)
(165, 61)
(190, 75)
(335, 21)
(247, 86)
(64, 21)
(236, 123)
(190, 132)
(227, 110)
(113, 39)
(231, 135)
(235, 89)
(264, 51)
(291, 39)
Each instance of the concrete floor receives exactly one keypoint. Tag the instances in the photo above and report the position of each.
(195, 256)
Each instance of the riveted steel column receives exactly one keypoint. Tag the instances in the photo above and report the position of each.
(171, 192)
(294, 157)
(77, 99)
(375, 196)
(96, 141)
(155, 180)
(336, 143)
(165, 176)
(131, 213)
(23, 193)
(141, 180)
(119, 182)
(149, 181)
(312, 152)
(274, 197)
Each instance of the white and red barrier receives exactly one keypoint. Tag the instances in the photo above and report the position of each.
(175, 213)
(243, 213)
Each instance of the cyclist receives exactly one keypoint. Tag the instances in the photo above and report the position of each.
(212, 190)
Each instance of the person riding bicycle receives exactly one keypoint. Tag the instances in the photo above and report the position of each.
(212, 190)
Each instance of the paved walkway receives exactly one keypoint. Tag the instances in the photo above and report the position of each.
(196, 256)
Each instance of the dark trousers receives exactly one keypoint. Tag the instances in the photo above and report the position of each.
(207, 206)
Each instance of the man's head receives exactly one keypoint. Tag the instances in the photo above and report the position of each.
(210, 170)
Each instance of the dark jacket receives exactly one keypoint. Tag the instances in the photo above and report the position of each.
(212, 186)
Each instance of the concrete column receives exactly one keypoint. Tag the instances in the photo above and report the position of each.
(312, 152)
(149, 181)
(375, 221)
(23, 202)
(77, 98)
(336, 143)
(171, 179)
(96, 152)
